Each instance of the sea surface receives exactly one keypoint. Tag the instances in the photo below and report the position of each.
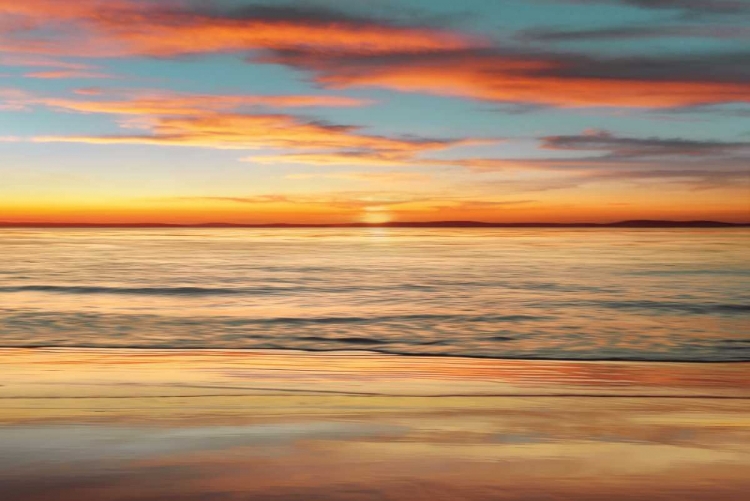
(582, 294)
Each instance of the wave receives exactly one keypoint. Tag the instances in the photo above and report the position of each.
(168, 291)
(267, 290)
(43, 317)
(205, 291)
(676, 306)
(567, 357)
(346, 340)
(171, 291)
(393, 318)
(197, 291)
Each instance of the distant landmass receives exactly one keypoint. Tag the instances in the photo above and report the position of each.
(635, 223)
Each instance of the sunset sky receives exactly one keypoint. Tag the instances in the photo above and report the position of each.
(331, 111)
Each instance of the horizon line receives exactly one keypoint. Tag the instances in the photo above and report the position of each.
(632, 223)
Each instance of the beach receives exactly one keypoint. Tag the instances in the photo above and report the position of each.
(85, 424)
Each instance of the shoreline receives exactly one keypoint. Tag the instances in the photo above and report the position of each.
(252, 425)
(365, 351)
(32, 372)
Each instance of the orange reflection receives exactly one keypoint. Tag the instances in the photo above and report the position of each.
(138, 425)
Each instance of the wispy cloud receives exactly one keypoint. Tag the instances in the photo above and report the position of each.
(155, 103)
(357, 201)
(11, 59)
(254, 131)
(605, 157)
(62, 74)
(566, 80)
(89, 91)
(637, 32)
(152, 28)
(367, 177)
(238, 122)
(371, 157)
(688, 8)
(639, 149)
(342, 50)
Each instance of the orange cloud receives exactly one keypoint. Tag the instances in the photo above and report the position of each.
(392, 157)
(89, 91)
(353, 204)
(122, 27)
(38, 61)
(197, 34)
(60, 74)
(165, 103)
(238, 131)
(369, 177)
(529, 79)
(374, 158)
(216, 121)
(71, 23)
(56, 10)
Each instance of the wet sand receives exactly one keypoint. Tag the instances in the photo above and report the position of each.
(275, 425)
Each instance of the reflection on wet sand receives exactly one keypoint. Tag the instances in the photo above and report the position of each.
(90, 425)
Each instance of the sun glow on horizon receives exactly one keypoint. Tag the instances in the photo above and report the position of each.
(376, 215)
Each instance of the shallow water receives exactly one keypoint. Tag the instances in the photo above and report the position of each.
(245, 425)
(521, 293)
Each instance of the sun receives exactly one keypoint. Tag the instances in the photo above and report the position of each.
(375, 215)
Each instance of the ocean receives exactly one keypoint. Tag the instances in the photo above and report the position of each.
(567, 294)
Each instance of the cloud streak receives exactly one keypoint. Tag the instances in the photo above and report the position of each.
(237, 122)
(605, 157)
(357, 201)
(154, 29)
(688, 8)
(63, 74)
(635, 32)
(175, 104)
(550, 79)
(639, 149)
(264, 131)
(342, 50)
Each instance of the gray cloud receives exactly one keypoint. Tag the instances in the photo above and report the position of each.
(607, 157)
(688, 8)
(727, 67)
(633, 149)
(694, 6)
(308, 14)
(634, 32)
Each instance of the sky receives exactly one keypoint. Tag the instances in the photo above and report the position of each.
(332, 111)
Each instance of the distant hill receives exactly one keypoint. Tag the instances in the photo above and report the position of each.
(635, 223)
